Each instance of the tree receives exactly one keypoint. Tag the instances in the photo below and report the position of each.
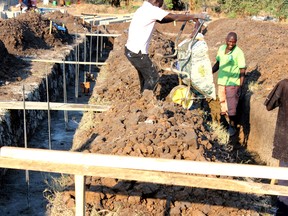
(115, 3)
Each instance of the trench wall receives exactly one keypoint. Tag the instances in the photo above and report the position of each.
(12, 121)
(258, 126)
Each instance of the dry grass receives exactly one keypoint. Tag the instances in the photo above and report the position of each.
(220, 132)
(89, 121)
(57, 207)
(103, 74)
(56, 185)
(59, 183)
(253, 86)
(95, 99)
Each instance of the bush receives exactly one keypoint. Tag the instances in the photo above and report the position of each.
(277, 8)
(168, 4)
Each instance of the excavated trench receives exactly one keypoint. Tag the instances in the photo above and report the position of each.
(13, 122)
(45, 130)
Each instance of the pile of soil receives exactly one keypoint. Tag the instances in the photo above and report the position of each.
(10, 66)
(152, 126)
(28, 35)
(74, 24)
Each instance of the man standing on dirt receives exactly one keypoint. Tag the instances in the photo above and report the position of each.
(278, 97)
(231, 67)
(24, 5)
(139, 36)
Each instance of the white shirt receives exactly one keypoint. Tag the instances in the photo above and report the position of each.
(141, 27)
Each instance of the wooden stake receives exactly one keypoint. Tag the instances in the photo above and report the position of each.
(80, 195)
(50, 27)
(274, 181)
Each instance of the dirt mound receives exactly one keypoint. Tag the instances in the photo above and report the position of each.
(72, 23)
(29, 35)
(29, 32)
(10, 66)
(150, 126)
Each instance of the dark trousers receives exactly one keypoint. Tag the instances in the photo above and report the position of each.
(148, 75)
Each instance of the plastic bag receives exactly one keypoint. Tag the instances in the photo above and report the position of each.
(193, 59)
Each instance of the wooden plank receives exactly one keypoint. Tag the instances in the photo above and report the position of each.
(107, 22)
(152, 164)
(94, 34)
(80, 195)
(89, 14)
(274, 181)
(62, 61)
(98, 19)
(156, 177)
(34, 105)
(105, 14)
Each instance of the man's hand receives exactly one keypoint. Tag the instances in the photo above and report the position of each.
(203, 16)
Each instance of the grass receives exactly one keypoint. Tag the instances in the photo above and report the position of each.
(253, 86)
(58, 207)
(56, 185)
(59, 183)
(220, 132)
(96, 99)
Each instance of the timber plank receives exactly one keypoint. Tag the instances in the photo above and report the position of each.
(158, 177)
(33, 105)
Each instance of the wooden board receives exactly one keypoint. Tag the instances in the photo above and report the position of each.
(114, 166)
(156, 177)
(33, 105)
(62, 61)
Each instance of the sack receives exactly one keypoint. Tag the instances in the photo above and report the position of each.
(193, 58)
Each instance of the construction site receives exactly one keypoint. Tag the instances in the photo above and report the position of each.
(128, 153)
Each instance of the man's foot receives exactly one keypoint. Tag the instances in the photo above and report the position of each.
(231, 131)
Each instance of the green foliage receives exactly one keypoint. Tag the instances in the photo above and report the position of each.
(232, 15)
(282, 10)
(276, 8)
(232, 8)
(168, 4)
(98, 1)
(248, 8)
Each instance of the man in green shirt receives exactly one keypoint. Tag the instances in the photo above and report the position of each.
(231, 67)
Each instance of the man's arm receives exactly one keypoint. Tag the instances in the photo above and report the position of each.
(183, 17)
(215, 67)
(242, 75)
(273, 99)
